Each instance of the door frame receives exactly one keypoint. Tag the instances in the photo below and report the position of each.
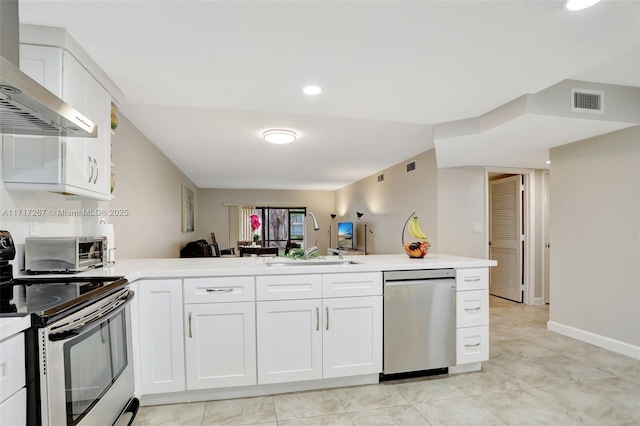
(528, 226)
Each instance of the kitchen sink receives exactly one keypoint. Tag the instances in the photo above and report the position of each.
(284, 261)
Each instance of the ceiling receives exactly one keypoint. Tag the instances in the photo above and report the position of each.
(203, 79)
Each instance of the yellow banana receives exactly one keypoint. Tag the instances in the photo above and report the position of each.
(415, 230)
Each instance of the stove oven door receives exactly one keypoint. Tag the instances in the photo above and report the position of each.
(86, 370)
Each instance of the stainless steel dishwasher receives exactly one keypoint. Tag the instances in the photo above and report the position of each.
(419, 321)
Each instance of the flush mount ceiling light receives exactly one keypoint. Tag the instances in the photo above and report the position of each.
(312, 90)
(580, 4)
(279, 136)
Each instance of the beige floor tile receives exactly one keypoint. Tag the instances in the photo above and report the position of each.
(430, 390)
(239, 411)
(332, 420)
(370, 397)
(458, 412)
(586, 403)
(170, 415)
(307, 404)
(569, 370)
(522, 348)
(399, 415)
(522, 408)
(488, 380)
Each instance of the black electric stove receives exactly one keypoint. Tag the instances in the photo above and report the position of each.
(49, 299)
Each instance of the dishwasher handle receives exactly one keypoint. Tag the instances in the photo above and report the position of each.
(421, 282)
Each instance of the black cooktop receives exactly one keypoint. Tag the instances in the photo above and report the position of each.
(48, 299)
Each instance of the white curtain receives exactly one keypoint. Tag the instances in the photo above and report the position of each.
(246, 234)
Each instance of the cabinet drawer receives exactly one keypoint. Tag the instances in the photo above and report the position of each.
(352, 284)
(12, 374)
(219, 289)
(472, 344)
(13, 411)
(472, 308)
(287, 287)
(472, 279)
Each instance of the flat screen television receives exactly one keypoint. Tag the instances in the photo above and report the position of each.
(346, 236)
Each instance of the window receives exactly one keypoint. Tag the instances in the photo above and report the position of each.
(281, 225)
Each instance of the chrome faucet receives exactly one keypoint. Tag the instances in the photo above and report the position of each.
(308, 251)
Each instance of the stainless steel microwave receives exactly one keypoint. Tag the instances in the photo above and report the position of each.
(64, 254)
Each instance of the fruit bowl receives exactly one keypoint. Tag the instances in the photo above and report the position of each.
(416, 249)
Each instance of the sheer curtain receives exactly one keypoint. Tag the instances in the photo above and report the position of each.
(246, 234)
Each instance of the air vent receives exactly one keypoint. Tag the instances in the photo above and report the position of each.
(411, 166)
(585, 100)
(380, 178)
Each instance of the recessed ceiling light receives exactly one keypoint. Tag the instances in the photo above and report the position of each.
(279, 136)
(548, 161)
(580, 4)
(312, 90)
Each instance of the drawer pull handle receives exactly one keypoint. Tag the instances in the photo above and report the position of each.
(472, 346)
(472, 279)
(317, 319)
(190, 334)
(472, 309)
(219, 290)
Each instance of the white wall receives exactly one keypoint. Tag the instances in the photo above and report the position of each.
(387, 205)
(148, 185)
(461, 204)
(595, 240)
(213, 213)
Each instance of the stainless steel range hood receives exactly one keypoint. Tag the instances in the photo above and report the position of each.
(27, 108)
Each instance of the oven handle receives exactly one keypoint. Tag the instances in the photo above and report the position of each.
(104, 313)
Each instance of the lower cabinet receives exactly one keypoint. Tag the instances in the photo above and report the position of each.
(315, 338)
(220, 345)
(352, 337)
(161, 336)
(472, 315)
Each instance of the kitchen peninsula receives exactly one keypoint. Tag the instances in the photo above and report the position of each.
(217, 328)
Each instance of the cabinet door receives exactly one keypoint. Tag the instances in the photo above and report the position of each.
(220, 345)
(289, 340)
(161, 336)
(352, 341)
(36, 159)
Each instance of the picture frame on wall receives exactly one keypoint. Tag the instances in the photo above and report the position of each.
(187, 209)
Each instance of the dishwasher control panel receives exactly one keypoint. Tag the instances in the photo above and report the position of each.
(419, 274)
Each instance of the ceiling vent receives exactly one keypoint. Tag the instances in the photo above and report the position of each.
(411, 166)
(380, 178)
(586, 100)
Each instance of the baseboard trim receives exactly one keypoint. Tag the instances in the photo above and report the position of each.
(538, 301)
(595, 339)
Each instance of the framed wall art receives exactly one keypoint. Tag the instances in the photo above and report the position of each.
(187, 210)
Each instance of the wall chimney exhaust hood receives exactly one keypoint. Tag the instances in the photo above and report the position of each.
(27, 108)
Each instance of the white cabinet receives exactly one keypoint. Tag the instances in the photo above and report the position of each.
(161, 336)
(289, 340)
(220, 321)
(352, 336)
(13, 402)
(472, 315)
(80, 166)
(313, 337)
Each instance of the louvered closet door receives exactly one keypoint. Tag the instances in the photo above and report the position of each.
(505, 236)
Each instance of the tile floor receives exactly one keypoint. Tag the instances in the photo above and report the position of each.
(533, 377)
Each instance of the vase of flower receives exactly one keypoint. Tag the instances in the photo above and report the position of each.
(255, 225)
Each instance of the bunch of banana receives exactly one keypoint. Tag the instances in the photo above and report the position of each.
(415, 230)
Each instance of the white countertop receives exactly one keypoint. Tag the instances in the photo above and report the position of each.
(135, 269)
(12, 325)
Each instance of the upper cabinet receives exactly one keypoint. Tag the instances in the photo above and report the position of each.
(78, 166)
